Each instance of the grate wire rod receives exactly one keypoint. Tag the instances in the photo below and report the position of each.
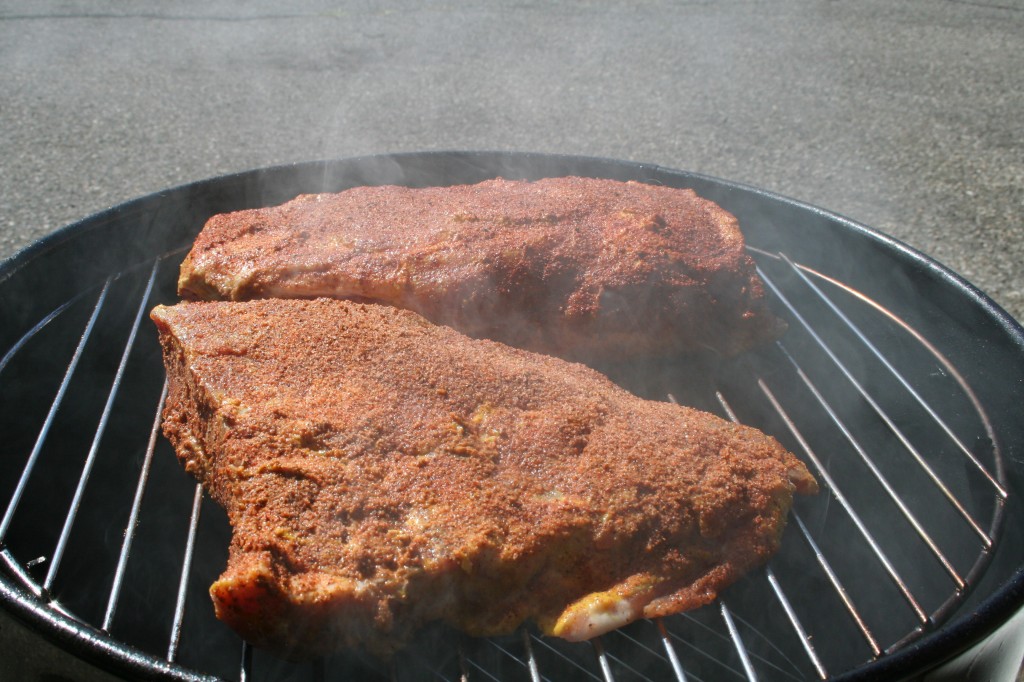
(38, 327)
(602, 659)
(531, 659)
(627, 666)
(723, 638)
(883, 415)
(133, 517)
(741, 649)
(463, 663)
(90, 459)
(889, 366)
(837, 493)
(186, 569)
(837, 584)
(826, 567)
(245, 669)
(670, 651)
(18, 571)
(697, 651)
(820, 556)
(625, 635)
(564, 657)
(879, 476)
(774, 668)
(428, 665)
(511, 655)
(478, 667)
(726, 615)
(805, 639)
(56, 312)
(44, 431)
(786, 605)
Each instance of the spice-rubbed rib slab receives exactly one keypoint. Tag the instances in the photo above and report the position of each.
(381, 472)
(583, 268)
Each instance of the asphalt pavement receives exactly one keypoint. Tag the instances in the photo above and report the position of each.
(904, 116)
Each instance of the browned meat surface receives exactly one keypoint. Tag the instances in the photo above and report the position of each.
(581, 268)
(381, 472)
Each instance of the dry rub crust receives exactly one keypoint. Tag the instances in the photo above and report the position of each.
(381, 472)
(583, 268)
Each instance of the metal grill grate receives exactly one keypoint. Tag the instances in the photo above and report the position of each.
(103, 529)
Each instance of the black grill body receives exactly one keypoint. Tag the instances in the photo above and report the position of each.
(898, 382)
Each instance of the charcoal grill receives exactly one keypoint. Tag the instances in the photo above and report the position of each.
(897, 382)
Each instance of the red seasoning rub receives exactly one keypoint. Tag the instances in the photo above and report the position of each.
(381, 472)
(582, 268)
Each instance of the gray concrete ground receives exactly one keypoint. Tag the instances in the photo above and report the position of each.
(905, 116)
